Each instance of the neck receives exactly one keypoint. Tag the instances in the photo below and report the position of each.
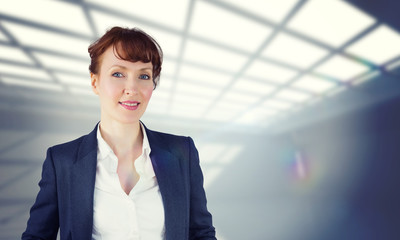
(122, 138)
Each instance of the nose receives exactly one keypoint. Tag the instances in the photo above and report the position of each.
(130, 87)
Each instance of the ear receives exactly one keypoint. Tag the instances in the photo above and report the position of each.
(95, 83)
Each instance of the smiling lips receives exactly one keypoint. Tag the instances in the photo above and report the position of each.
(130, 105)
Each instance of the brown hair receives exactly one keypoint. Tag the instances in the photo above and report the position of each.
(130, 44)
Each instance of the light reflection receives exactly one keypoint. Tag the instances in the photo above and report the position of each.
(34, 37)
(348, 68)
(319, 19)
(206, 22)
(367, 77)
(24, 72)
(294, 51)
(54, 13)
(222, 59)
(314, 84)
(14, 54)
(31, 84)
(379, 46)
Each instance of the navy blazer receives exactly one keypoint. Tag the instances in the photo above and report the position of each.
(65, 199)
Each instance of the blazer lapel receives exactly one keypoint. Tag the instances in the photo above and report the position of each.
(167, 167)
(174, 192)
(82, 190)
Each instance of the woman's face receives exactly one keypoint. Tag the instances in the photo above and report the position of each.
(124, 88)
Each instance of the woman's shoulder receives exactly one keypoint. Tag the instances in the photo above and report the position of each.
(176, 144)
(83, 144)
(165, 137)
(69, 144)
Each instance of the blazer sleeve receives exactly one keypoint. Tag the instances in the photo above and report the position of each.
(200, 225)
(43, 222)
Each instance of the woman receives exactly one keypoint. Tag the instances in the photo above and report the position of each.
(122, 180)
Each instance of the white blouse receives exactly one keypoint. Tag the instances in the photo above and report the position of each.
(116, 215)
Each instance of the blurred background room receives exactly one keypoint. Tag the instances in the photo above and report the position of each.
(294, 106)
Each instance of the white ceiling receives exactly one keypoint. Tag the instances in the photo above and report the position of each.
(237, 65)
(226, 62)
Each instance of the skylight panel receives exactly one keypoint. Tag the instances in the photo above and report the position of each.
(275, 11)
(238, 97)
(277, 104)
(379, 46)
(74, 80)
(225, 110)
(252, 87)
(156, 11)
(159, 102)
(57, 14)
(157, 107)
(222, 114)
(204, 76)
(104, 22)
(228, 104)
(3, 37)
(341, 68)
(212, 56)
(314, 84)
(63, 63)
(330, 21)
(31, 84)
(168, 69)
(163, 87)
(14, 54)
(292, 95)
(235, 102)
(84, 91)
(205, 91)
(192, 100)
(270, 72)
(170, 43)
(223, 26)
(256, 115)
(161, 95)
(24, 72)
(186, 111)
(48, 40)
(294, 51)
(88, 101)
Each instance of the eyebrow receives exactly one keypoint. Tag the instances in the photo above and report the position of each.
(120, 66)
(116, 65)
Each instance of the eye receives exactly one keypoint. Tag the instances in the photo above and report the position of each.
(144, 77)
(117, 74)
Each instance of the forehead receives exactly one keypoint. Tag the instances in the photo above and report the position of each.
(110, 58)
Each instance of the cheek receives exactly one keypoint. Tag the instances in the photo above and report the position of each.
(149, 93)
(111, 89)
